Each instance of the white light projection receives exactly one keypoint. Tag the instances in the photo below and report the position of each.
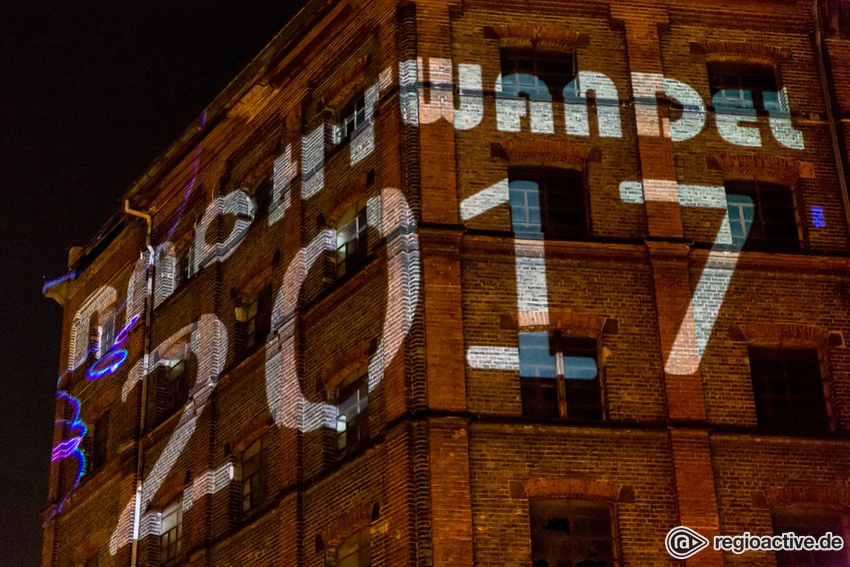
(97, 302)
(421, 103)
(288, 405)
(208, 341)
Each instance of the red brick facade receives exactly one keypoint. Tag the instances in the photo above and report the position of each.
(431, 316)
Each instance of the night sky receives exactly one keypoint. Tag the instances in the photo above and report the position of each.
(90, 93)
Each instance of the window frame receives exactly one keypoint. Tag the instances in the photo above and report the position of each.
(531, 386)
(758, 191)
(256, 495)
(573, 180)
(745, 74)
(100, 442)
(171, 550)
(347, 262)
(537, 56)
(256, 326)
(177, 386)
(361, 552)
(786, 423)
(573, 506)
(355, 388)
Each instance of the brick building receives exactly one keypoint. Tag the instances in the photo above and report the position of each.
(456, 282)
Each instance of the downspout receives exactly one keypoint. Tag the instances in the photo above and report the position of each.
(134, 552)
(830, 114)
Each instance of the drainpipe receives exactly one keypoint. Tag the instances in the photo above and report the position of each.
(830, 114)
(134, 553)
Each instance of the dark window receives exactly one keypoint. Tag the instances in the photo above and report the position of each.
(258, 315)
(92, 561)
(538, 75)
(263, 197)
(571, 532)
(548, 202)
(354, 551)
(170, 542)
(559, 376)
(176, 385)
(99, 444)
(351, 241)
(810, 523)
(744, 86)
(352, 422)
(254, 467)
(761, 215)
(788, 390)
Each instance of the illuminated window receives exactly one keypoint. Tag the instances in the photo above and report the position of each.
(258, 318)
(548, 202)
(571, 532)
(99, 441)
(351, 241)
(353, 551)
(788, 390)
(539, 75)
(352, 422)
(559, 376)
(253, 477)
(761, 215)
(744, 86)
(106, 334)
(170, 542)
(176, 385)
(354, 118)
(811, 523)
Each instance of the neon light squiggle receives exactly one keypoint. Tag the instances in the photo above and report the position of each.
(108, 364)
(71, 447)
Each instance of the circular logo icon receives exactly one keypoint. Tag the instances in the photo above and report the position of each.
(683, 542)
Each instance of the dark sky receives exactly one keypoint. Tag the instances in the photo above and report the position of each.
(90, 93)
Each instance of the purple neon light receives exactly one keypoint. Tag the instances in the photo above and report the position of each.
(71, 447)
(100, 368)
(122, 335)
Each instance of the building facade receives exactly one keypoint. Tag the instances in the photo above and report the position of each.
(466, 282)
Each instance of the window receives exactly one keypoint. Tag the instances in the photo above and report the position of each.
(106, 334)
(788, 390)
(99, 443)
(811, 523)
(559, 376)
(172, 532)
(92, 561)
(571, 532)
(258, 314)
(541, 76)
(352, 422)
(353, 551)
(253, 477)
(744, 86)
(761, 215)
(177, 385)
(353, 118)
(351, 241)
(185, 268)
(263, 197)
(548, 202)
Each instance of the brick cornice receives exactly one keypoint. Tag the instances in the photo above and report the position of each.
(833, 497)
(573, 488)
(761, 167)
(778, 334)
(742, 52)
(520, 35)
(543, 152)
(579, 324)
